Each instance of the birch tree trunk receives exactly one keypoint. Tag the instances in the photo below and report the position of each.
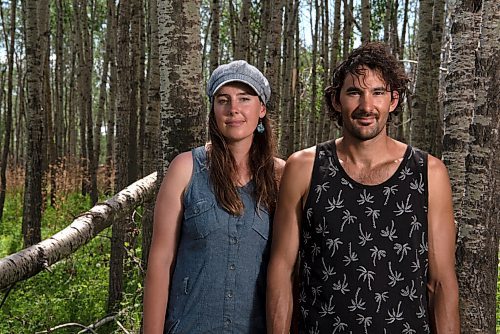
(182, 109)
(59, 83)
(32, 206)
(471, 144)
(9, 109)
(426, 117)
(273, 68)
(471, 152)
(348, 27)
(110, 124)
(104, 83)
(214, 34)
(365, 20)
(336, 51)
(48, 145)
(265, 18)
(324, 121)
(311, 131)
(242, 41)
(287, 102)
(135, 49)
(88, 55)
(116, 279)
(152, 127)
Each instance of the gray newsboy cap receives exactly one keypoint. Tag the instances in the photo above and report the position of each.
(240, 71)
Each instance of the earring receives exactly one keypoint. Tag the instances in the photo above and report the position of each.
(260, 126)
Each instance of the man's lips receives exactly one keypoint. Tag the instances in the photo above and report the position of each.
(364, 117)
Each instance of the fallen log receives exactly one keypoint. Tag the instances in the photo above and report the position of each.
(30, 261)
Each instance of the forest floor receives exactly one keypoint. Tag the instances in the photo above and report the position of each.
(71, 294)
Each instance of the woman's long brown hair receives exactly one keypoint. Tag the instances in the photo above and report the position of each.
(221, 164)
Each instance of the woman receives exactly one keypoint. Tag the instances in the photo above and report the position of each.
(207, 264)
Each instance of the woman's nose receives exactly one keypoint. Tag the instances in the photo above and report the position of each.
(233, 107)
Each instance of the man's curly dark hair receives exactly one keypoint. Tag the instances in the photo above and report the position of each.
(375, 56)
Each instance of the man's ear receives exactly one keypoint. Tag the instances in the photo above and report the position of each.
(394, 100)
(333, 102)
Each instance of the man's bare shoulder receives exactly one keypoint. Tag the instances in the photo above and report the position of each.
(436, 167)
(298, 172)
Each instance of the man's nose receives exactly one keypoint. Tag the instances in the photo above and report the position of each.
(366, 102)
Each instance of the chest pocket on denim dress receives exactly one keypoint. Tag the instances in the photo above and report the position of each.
(200, 219)
(261, 223)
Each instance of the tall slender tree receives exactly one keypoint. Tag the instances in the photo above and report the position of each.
(32, 205)
(134, 82)
(111, 110)
(242, 41)
(8, 111)
(426, 118)
(182, 109)
(214, 34)
(59, 83)
(120, 227)
(152, 126)
(366, 20)
(273, 64)
(289, 72)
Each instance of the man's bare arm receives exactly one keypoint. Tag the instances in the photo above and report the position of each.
(442, 285)
(285, 242)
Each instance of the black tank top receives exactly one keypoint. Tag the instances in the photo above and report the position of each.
(363, 250)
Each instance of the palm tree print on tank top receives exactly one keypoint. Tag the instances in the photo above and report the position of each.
(363, 250)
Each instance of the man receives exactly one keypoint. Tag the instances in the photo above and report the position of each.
(367, 220)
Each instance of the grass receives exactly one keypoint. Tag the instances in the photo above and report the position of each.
(75, 289)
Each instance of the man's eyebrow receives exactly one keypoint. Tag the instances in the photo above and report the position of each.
(357, 89)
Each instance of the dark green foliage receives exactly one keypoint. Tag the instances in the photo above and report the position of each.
(75, 289)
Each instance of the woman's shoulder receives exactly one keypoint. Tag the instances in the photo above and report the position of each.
(181, 166)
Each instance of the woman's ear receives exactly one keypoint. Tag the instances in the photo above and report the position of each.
(263, 110)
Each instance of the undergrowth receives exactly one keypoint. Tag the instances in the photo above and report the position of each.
(73, 290)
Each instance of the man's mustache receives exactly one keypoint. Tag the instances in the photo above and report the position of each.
(362, 114)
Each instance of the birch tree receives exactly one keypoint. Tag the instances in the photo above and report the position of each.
(471, 144)
(183, 119)
(32, 205)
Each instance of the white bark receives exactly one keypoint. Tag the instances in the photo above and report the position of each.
(30, 261)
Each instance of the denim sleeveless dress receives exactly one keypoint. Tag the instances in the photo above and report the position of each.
(219, 280)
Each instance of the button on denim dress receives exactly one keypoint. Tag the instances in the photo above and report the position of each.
(219, 280)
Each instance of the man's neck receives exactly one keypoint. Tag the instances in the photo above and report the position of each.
(370, 162)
